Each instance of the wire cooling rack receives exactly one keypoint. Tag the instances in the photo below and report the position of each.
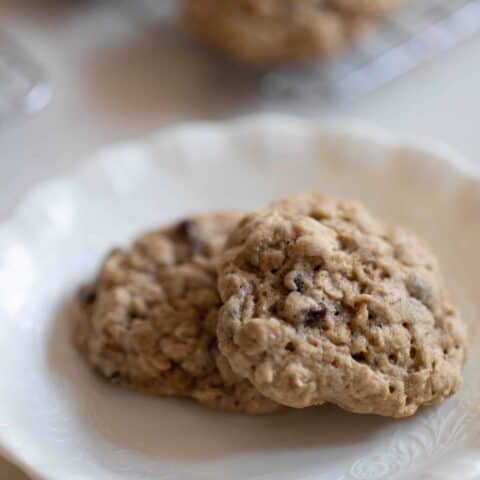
(24, 88)
(417, 34)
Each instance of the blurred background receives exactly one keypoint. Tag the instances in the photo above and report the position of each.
(76, 75)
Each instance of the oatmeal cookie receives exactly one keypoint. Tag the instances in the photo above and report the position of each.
(324, 303)
(273, 31)
(148, 322)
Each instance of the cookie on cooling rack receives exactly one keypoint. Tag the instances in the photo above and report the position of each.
(273, 31)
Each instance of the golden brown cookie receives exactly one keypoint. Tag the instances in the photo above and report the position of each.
(150, 317)
(324, 303)
(273, 31)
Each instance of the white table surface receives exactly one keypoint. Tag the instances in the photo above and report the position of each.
(118, 76)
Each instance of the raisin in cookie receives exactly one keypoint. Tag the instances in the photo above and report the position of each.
(273, 31)
(149, 319)
(323, 303)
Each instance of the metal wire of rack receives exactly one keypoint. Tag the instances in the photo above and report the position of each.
(399, 44)
(24, 87)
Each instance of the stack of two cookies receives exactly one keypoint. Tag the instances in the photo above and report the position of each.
(309, 301)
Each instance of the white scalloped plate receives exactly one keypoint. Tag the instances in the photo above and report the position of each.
(58, 421)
